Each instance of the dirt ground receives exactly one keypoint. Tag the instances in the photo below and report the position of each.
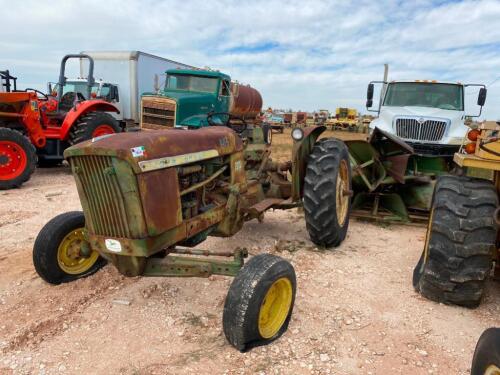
(355, 313)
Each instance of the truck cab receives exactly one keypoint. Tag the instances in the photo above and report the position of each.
(428, 115)
(186, 98)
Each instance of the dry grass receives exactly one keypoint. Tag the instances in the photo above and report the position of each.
(282, 143)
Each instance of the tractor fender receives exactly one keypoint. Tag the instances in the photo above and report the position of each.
(83, 108)
(301, 150)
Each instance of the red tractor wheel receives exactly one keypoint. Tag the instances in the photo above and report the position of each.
(103, 130)
(92, 125)
(17, 159)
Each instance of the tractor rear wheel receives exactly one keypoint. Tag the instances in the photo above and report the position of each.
(486, 360)
(17, 159)
(460, 241)
(327, 192)
(259, 302)
(61, 254)
(92, 125)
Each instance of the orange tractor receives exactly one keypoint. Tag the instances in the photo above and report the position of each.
(37, 127)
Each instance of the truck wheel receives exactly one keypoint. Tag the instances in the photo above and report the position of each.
(17, 159)
(486, 359)
(92, 125)
(61, 254)
(327, 191)
(259, 302)
(460, 241)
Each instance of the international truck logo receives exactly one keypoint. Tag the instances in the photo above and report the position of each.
(421, 120)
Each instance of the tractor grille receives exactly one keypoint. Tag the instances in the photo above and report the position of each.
(103, 196)
(158, 113)
(414, 130)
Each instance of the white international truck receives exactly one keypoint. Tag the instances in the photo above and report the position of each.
(428, 115)
(121, 77)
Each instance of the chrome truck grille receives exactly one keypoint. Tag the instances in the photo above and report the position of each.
(157, 112)
(103, 203)
(420, 130)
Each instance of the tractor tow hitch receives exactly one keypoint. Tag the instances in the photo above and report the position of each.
(198, 265)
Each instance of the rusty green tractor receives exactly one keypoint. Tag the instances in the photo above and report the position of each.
(150, 197)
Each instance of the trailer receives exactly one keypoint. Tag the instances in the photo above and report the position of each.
(123, 76)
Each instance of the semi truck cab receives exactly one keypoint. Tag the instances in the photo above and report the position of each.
(428, 115)
(188, 95)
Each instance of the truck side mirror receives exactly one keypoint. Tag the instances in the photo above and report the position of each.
(369, 103)
(481, 98)
(116, 95)
(369, 94)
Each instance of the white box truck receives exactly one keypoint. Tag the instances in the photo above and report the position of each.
(123, 76)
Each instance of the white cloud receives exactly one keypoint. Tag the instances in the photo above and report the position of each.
(327, 51)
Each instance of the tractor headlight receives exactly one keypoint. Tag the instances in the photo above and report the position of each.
(297, 134)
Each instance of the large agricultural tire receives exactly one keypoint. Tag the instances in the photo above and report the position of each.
(460, 241)
(57, 253)
(93, 125)
(327, 191)
(268, 133)
(17, 159)
(486, 359)
(259, 302)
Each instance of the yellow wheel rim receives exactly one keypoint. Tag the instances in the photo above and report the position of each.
(69, 256)
(275, 307)
(342, 193)
(492, 370)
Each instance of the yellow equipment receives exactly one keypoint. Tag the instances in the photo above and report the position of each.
(462, 235)
(345, 119)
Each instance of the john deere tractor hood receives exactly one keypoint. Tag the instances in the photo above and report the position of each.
(156, 149)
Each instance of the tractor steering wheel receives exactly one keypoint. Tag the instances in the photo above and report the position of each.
(45, 97)
(238, 128)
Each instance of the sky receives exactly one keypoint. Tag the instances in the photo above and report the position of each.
(304, 55)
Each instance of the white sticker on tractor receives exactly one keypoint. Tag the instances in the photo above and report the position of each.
(137, 152)
(113, 245)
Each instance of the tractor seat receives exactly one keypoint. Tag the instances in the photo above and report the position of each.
(68, 100)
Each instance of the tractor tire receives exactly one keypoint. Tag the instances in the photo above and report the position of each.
(93, 125)
(17, 159)
(259, 302)
(268, 133)
(461, 238)
(56, 255)
(486, 359)
(327, 190)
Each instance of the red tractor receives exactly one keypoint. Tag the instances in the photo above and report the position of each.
(37, 127)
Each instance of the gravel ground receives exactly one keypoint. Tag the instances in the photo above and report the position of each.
(355, 312)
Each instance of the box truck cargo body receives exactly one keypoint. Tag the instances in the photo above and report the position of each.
(133, 73)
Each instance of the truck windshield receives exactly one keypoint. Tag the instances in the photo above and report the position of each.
(435, 95)
(78, 86)
(191, 83)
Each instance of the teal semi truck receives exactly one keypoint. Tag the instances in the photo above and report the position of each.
(190, 98)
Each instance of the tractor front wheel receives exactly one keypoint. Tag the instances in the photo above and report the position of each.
(17, 159)
(461, 237)
(61, 254)
(93, 125)
(259, 302)
(486, 360)
(327, 192)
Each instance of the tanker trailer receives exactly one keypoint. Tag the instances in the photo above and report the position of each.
(189, 95)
